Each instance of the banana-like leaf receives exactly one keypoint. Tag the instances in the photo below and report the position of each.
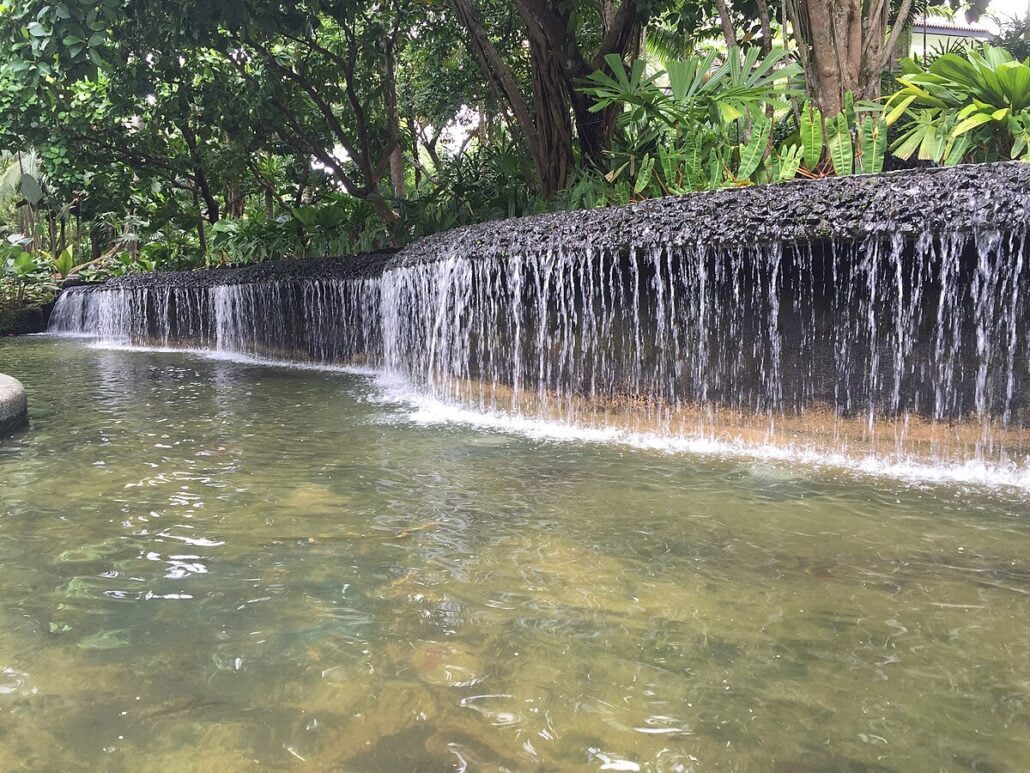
(811, 134)
(31, 190)
(715, 173)
(644, 175)
(753, 152)
(842, 151)
(788, 161)
(64, 262)
(873, 134)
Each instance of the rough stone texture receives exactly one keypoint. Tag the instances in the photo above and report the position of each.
(14, 405)
(911, 201)
(959, 198)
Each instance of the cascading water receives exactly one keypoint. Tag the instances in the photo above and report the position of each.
(891, 346)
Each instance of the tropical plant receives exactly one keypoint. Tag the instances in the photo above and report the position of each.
(21, 176)
(854, 140)
(696, 125)
(117, 264)
(24, 278)
(974, 107)
(1014, 36)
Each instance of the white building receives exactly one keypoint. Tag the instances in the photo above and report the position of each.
(931, 35)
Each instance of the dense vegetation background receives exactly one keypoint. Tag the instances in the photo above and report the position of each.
(143, 135)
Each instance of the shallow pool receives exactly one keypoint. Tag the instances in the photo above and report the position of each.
(217, 565)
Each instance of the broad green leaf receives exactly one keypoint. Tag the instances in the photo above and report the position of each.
(644, 175)
(30, 189)
(715, 173)
(957, 150)
(788, 162)
(753, 152)
(899, 109)
(811, 130)
(873, 134)
(977, 119)
(842, 152)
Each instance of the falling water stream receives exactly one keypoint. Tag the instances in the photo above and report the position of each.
(883, 354)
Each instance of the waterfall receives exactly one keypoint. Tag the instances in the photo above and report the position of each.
(902, 347)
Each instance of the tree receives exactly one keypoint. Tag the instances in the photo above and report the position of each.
(847, 45)
(566, 43)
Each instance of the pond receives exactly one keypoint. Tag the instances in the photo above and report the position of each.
(211, 564)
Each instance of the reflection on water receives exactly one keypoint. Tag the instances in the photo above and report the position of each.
(209, 564)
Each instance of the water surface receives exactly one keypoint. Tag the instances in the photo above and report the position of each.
(208, 564)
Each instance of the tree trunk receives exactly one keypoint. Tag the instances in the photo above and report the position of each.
(393, 123)
(728, 33)
(766, 22)
(557, 65)
(553, 121)
(96, 247)
(416, 166)
(397, 172)
(382, 208)
(201, 230)
(503, 82)
(843, 47)
(235, 203)
(198, 171)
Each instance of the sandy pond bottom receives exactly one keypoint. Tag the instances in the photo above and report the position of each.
(214, 565)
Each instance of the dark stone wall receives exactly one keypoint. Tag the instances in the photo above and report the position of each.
(963, 198)
(23, 321)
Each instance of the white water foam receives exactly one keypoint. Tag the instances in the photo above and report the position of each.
(425, 409)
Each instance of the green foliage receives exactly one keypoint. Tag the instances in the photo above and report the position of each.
(25, 279)
(119, 264)
(842, 150)
(695, 125)
(787, 162)
(340, 225)
(852, 141)
(1014, 37)
(148, 135)
(872, 137)
(811, 129)
(963, 108)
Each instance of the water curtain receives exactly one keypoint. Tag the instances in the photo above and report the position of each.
(893, 322)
